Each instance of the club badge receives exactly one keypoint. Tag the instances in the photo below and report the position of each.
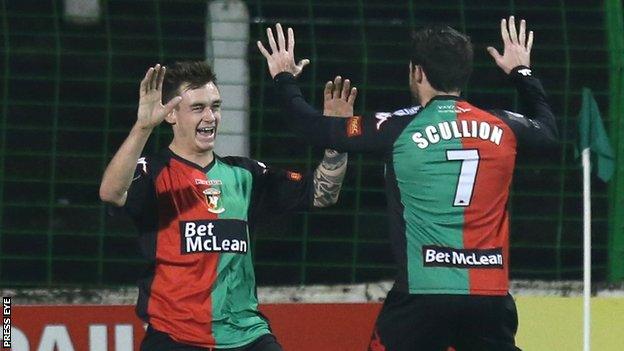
(213, 200)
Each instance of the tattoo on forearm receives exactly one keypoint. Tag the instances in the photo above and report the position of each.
(328, 178)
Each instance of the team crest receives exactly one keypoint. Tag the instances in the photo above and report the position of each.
(213, 200)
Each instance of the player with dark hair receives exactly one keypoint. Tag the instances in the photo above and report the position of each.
(195, 212)
(448, 169)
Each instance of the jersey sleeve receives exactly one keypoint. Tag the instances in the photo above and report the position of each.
(358, 133)
(277, 190)
(140, 194)
(538, 127)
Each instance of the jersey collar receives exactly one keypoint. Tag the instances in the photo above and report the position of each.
(193, 164)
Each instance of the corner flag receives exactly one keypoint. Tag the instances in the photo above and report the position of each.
(592, 135)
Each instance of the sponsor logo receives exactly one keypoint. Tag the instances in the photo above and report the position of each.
(354, 126)
(525, 72)
(213, 200)
(438, 256)
(264, 167)
(223, 235)
(294, 176)
(208, 182)
(381, 118)
(407, 111)
(452, 109)
(143, 162)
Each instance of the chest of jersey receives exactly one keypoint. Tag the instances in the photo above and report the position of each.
(203, 211)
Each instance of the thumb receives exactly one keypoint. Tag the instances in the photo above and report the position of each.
(172, 104)
(494, 53)
(303, 63)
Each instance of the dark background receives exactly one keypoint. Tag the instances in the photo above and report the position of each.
(69, 95)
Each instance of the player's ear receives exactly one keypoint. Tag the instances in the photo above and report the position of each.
(171, 117)
(418, 73)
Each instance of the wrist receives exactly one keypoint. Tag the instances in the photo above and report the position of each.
(142, 128)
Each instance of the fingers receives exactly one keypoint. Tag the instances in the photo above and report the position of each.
(513, 34)
(303, 63)
(505, 32)
(337, 87)
(161, 78)
(271, 40)
(291, 41)
(263, 50)
(352, 96)
(327, 92)
(530, 42)
(145, 82)
(172, 104)
(345, 89)
(154, 81)
(281, 41)
(522, 35)
(494, 53)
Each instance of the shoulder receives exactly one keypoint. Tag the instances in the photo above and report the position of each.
(396, 116)
(514, 118)
(153, 163)
(254, 166)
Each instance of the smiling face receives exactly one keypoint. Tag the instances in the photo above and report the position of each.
(196, 119)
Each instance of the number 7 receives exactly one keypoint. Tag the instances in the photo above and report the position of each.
(467, 174)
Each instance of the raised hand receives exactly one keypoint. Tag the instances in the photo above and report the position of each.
(282, 56)
(517, 49)
(151, 110)
(338, 98)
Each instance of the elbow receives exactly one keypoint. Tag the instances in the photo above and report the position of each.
(110, 196)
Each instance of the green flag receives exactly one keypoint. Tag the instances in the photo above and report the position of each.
(592, 135)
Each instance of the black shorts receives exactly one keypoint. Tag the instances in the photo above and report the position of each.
(155, 340)
(445, 322)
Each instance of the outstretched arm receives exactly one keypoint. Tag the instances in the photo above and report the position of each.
(338, 100)
(539, 127)
(118, 175)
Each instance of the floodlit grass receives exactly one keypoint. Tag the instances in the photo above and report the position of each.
(556, 323)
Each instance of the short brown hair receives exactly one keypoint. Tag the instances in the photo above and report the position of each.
(193, 73)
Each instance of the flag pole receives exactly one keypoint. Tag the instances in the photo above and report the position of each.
(586, 249)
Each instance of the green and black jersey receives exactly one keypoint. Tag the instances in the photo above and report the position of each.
(195, 225)
(448, 170)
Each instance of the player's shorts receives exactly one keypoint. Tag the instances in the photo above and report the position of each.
(155, 340)
(445, 322)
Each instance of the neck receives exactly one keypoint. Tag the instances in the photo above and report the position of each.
(428, 94)
(202, 158)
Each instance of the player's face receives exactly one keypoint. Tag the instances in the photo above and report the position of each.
(197, 118)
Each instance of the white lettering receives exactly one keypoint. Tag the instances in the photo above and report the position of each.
(465, 131)
(430, 255)
(419, 140)
(445, 130)
(124, 337)
(193, 244)
(98, 340)
(497, 135)
(432, 134)
(225, 244)
(19, 341)
(55, 337)
(455, 128)
(189, 229)
(473, 129)
(484, 131)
